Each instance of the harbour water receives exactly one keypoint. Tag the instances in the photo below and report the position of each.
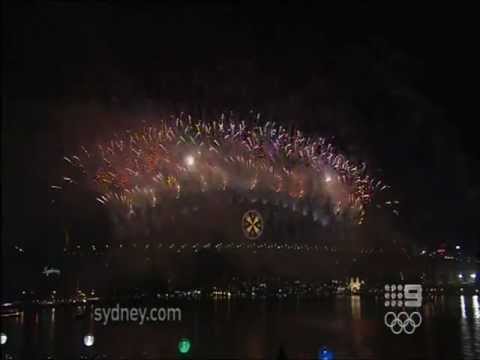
(349, 327)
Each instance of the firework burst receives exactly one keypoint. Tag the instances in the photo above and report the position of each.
(181, 156)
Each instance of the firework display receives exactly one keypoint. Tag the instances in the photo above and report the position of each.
(180, 156)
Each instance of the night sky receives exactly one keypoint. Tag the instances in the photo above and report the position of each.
(391, 86)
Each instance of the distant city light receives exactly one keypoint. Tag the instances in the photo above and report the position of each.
(88, 340)
(184, 345)
(460, 276)
(3, 338)
(457, 247)
(189, 160)
(473, 275)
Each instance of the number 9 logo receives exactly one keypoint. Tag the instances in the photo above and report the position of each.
(413, 295)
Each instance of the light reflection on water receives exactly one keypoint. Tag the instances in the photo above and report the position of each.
(356, 307)
(350, 326)
(462, 307)
(476, 310)
(470, 326)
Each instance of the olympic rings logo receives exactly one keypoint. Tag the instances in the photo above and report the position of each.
(403, 322)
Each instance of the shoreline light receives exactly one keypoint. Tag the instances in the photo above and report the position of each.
(184, 345)
(88, 340)
(3, 338)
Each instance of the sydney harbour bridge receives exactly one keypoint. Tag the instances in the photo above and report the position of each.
(189, 202)
(210, 238)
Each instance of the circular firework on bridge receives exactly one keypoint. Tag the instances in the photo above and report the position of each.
(252, 224)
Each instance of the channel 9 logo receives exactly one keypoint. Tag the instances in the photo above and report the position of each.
(403, 296)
